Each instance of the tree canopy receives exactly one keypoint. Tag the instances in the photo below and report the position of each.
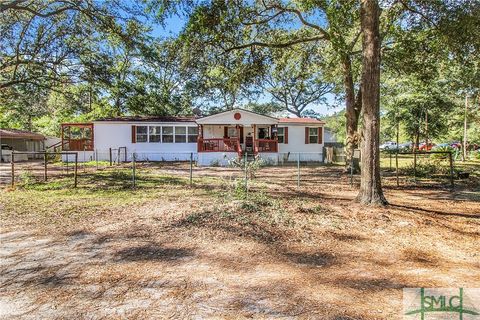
(79, 60)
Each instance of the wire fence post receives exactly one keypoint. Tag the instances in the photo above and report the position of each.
(414, 165)
(67, 157)
(351, 171)
(191, 168)
(12, 160)
(133, 170)
(390, 153)
(45, 166)
(396, 165)
(110, 151)
(96, 158)
(75, 170)
(246, 173)
(452, 183)
(298, 170)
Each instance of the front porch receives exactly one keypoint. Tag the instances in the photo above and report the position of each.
(240, 139)
(236, 133)
(238, 130)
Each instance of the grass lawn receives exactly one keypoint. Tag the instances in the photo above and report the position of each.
(170, 250)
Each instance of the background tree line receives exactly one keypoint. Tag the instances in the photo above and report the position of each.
(79, 60)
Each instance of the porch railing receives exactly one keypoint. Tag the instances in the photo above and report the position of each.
(219, 145)
(83, 144)
(266, 145)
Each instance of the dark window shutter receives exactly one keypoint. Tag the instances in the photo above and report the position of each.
(307, 140)
(285, 135)
(225, 132)
(241, 134)
(134, 134)
(320, 135)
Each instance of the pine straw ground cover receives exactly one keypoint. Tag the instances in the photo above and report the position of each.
(168, 250)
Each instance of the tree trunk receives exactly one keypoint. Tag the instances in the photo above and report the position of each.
(465, 127)
(352, 113)
(426, 129)
(370, 184)
(417, 139)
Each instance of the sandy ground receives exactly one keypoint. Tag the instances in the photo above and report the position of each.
(174, 258)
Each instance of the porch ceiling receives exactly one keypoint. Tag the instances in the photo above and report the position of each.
(238, 117)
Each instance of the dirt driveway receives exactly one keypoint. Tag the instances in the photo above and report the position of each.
(186, 254)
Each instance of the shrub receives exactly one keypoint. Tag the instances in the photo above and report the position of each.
(27, 179)
(442, 155)
(476, 154)
(427, 167)
(251, 166)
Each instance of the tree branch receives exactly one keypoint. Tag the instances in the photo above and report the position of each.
(274, 45)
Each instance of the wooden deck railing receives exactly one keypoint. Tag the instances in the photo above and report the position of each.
(78, 145)
(266, 145)
(219, 145)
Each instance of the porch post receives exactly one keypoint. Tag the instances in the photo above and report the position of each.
(200, 138)
(254, 137)
(276, 137)
(63, 137)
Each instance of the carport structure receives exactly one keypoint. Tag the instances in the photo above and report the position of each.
(21, 140)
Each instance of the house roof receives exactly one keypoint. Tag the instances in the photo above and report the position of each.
(149, 119)
(301, 120)
(208, 119)
(240, 109)
(245, 117)
(20, 134)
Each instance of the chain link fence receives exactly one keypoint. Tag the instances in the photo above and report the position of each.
(120, 169)
(427, 169)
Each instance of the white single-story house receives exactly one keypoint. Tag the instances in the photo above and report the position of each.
(210, 140)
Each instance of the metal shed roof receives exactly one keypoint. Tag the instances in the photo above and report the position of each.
(20, 134)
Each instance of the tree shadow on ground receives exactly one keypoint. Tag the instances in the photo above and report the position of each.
(151, 252)
(372, 284)
(316, 259)
(435, 212)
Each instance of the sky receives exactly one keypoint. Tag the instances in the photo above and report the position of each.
(174, 25)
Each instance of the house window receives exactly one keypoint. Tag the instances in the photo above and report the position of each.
(313, 135)
(180, 134)
(263, 133)
(167, 134)
(192, 134)
(142, 133)
(154, 134)
(281, 135)
(232, 132)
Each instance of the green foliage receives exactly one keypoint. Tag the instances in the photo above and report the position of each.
(476, 154)
(296, 77)
(250, 166)
(446, 149)
(27, 179)
(426, 168)
(269, 108)
(337, 124)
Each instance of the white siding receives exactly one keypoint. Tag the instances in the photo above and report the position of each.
(114, 135)
(329, 135)
(119, 134)
(206, 159)
(296, 144)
